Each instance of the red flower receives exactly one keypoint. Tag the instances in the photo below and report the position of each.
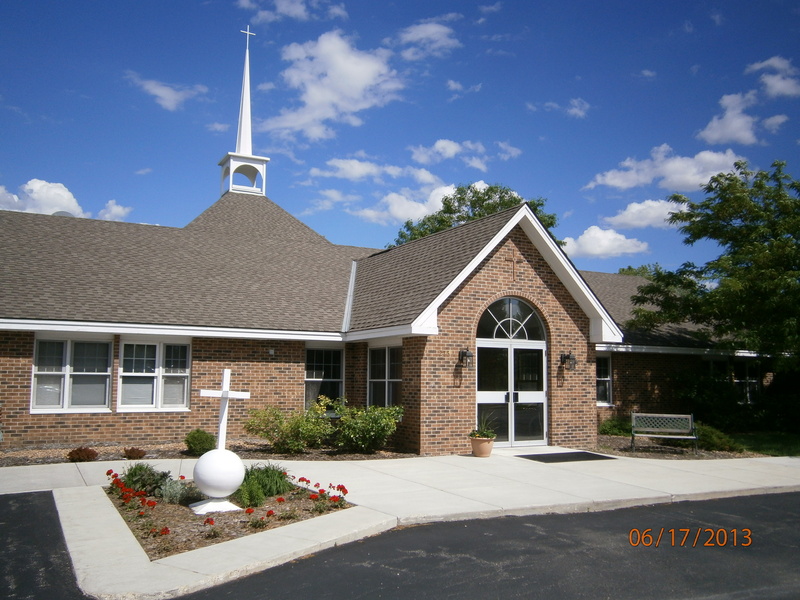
(336, 499)
(182, 477)
(208, 521)
(316, 485)
(270, 513)
(141, 513)
(304, 480)
(280, 499)
(321, 492)
(342, 489)
(164, 531)
(109, 472)
(151, 503)
(250, 511)
(313, 496)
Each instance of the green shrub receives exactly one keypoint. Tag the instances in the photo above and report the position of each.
(365, 429)
(174, 491)
(292, 434)
(82, 454)
(143, 476)
(615, 426)
(261, 482)
(709, 438)
(198, 442)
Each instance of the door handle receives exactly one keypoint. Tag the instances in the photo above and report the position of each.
(508, 397)
(516, 397)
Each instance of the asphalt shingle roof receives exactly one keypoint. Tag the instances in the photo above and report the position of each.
(393, 287)
(244, 262)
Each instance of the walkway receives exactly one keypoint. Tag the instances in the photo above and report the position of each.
(110, 564)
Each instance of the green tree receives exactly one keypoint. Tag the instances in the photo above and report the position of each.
(749, 296)
(646, 271)
(467, 203)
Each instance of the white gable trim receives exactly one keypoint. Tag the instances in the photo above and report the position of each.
(603, 329)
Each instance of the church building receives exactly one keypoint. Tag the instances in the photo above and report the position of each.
(109, 330)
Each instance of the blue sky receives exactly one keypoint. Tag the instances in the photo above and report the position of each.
(371, 111)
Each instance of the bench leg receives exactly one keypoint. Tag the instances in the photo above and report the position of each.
(633, 443)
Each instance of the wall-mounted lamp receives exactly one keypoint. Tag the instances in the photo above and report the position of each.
(568, 361)
(465, 358)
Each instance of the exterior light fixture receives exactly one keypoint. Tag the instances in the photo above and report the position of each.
(465, 358)
(568, 361)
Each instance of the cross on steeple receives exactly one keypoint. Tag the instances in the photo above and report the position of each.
(248, 33)
(243, 163)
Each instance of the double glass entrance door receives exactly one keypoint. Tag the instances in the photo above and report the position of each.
(511, 391)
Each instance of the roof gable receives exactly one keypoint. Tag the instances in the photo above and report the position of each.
(384, 298)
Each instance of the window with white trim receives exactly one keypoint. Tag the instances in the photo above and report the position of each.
(71, 375)
(603, 375)
(154, 376)
(385, 376)
(323, 374)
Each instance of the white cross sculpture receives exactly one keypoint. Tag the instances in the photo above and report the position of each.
(224, 394)
(219, 473)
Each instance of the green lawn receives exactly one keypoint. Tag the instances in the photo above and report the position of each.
(770, 443)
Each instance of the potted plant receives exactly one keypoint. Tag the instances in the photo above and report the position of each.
(482, 438)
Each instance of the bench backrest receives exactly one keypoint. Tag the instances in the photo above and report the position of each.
(645, 422)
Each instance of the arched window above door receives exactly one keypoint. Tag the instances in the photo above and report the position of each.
(510, 319)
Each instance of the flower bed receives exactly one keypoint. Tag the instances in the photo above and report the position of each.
(164, 529)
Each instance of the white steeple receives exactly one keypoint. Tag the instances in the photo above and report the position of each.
(243, 162)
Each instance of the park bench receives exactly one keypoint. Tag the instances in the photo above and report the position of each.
(679, 427)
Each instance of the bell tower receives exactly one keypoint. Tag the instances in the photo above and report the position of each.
(243, 162)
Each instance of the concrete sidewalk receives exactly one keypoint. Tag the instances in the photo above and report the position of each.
(110, 563)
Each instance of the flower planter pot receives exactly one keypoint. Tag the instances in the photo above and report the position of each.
(481, 447)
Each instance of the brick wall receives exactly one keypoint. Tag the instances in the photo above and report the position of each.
(271, 378)
(646, 383)
(443, 394)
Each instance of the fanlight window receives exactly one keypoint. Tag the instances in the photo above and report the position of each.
(510, 319)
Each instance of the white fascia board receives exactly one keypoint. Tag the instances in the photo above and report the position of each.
(644, 349)
(602, 327)
(166, 330)
(399, 331)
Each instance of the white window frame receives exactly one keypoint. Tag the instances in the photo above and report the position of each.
(68, 376)
(387, 380)
(609, 379)
(158, 375)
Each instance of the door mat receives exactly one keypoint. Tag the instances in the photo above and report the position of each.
(559, 457)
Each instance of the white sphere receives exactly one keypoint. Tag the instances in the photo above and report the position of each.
(218, 473)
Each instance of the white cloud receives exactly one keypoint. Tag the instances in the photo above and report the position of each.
(577, 107)
(602, 243)
(39, 196)
(114, 212)
(457, 86)
(328, 200)
(734, 125)
(649, 213)
(168, 95)
(473, 154)
(427, 39)
(298, 10)
(507, 151)
(647, 74)
(336, 81)
(676, 173)
(783, 81)
(145, 171)
(218, 127)
(399, 207)
(490, 8)
(773, 124)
